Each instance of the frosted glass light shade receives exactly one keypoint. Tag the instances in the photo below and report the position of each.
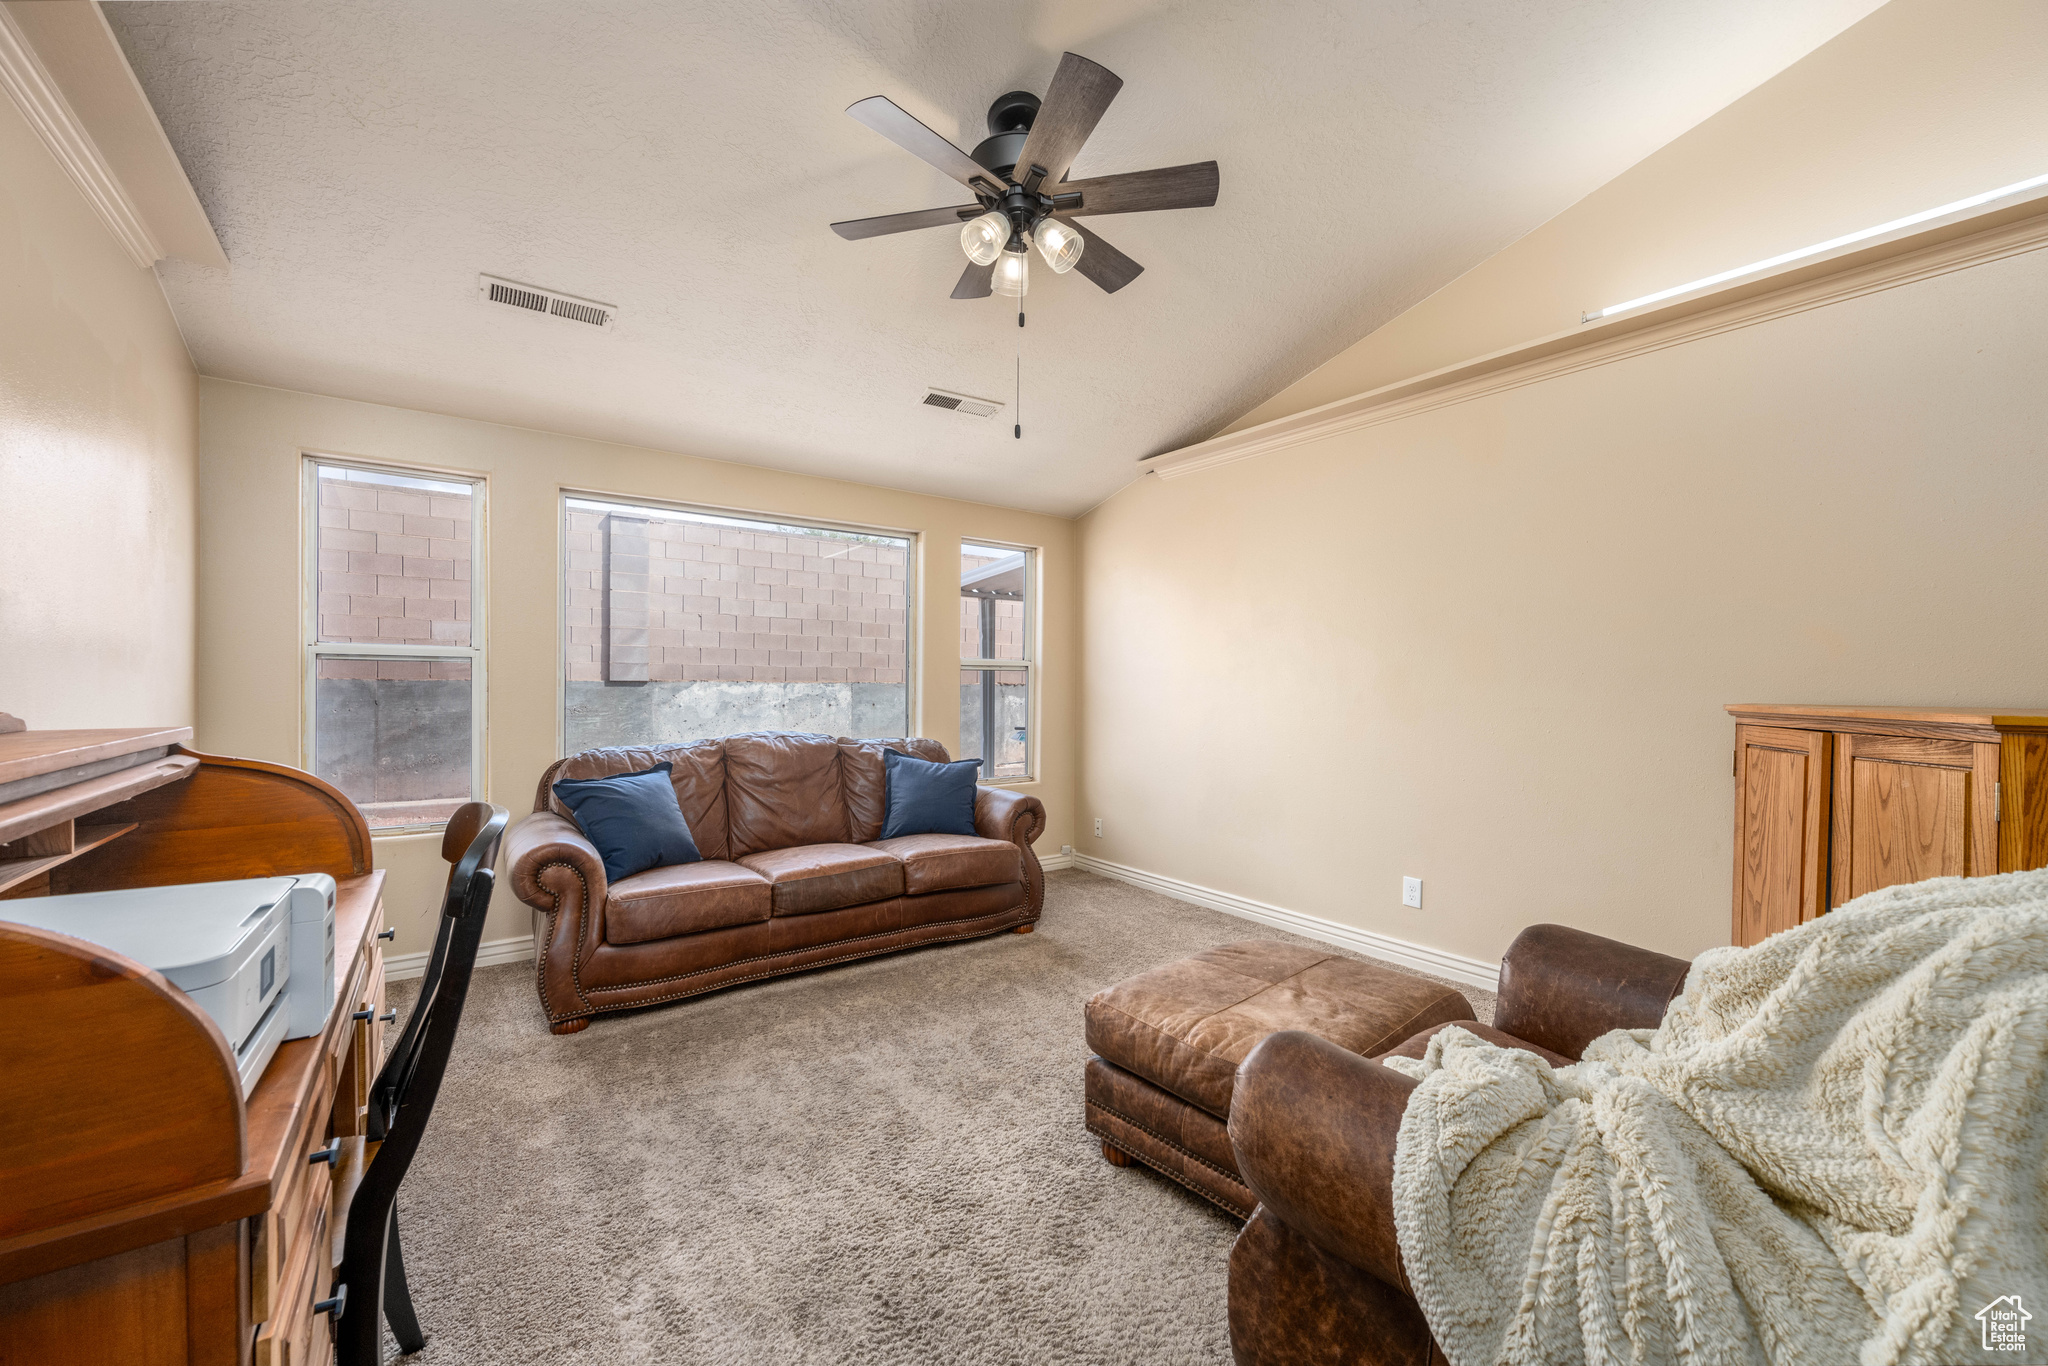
(1059, 244)
(983, 238)
(1013, 274)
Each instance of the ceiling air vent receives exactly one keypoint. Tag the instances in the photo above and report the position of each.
(963, 404)
(548, 303)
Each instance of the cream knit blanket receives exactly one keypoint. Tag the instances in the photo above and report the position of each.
(1834, 1149)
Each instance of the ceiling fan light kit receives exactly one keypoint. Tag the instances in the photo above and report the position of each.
(1059, 244)
(1013, 275)
(984, 238)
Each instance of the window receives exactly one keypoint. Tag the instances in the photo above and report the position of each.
(394, 653)
(995, 659)
(683, 625)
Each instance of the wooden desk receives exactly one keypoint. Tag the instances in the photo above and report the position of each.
(147, 1214)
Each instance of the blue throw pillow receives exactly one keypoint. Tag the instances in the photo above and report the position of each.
(633, 820)
(925, 798)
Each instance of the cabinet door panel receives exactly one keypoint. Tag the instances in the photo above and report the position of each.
(1908, 823)
(1907, 809)
(1781, 801)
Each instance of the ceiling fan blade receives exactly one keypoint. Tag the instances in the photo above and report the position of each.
(1102, 263)
(882, 114)
(1169, 187)
(854, 229)
(975, 280)
(1073, 105)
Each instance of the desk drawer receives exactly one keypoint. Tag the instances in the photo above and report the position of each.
(304, 1202)
(360, 1050)
(294, 1335)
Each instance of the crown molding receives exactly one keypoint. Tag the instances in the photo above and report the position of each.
(26, 79)
(2009, 229)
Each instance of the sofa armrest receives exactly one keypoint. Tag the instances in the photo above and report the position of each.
(1003, 814)
(559, 873)
(1563, 988)
(1314, 1128)
(543, 839)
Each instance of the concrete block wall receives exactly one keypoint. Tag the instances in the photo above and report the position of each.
(701, 602)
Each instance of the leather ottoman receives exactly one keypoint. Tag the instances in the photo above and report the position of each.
(1168, 1043)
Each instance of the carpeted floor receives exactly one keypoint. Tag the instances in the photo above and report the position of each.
(882, 1162)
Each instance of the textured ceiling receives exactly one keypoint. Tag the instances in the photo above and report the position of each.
(363, 161)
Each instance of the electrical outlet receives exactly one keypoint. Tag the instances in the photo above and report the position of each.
(1411, 892)
(1098, 827)
(1066, 850)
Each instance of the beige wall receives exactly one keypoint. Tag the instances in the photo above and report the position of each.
(1489, 645)
(251, 440)
(1923, 103)
(97, 437)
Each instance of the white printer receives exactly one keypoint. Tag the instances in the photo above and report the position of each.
(257, 955)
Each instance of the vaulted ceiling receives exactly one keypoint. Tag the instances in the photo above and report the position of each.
(363, 162)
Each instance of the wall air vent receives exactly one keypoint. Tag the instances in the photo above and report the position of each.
(548, 303)
(963, 404)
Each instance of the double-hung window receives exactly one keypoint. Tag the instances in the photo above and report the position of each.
(394, 639)
(996, 621)
(682, 624)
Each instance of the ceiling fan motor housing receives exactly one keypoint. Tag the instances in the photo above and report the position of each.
(1009, 123)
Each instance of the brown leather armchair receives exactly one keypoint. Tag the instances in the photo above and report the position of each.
(1316, 1275)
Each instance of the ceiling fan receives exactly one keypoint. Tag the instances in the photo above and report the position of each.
(1021, 195)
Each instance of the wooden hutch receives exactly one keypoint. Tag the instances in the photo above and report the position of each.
(1833, 802)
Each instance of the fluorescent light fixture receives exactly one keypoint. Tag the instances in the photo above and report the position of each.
(1817, 248)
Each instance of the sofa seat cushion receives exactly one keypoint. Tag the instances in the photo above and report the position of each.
(1186, 1026)
(684, 898)
(826, 877)
(942, 863)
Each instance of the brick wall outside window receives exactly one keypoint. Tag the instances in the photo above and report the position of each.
(700, 602)
(394, 564)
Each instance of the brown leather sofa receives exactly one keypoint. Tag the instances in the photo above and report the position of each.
(795, 873)
(1316, 1275)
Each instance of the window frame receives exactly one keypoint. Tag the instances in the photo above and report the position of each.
(1027, 665)
(913, 572)
(313, 649)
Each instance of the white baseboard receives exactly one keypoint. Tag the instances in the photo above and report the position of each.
(403, 967)
(1474, 972)
(1471, 972)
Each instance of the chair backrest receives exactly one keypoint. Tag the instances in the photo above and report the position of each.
(469, 845)
(435, 1015)
(402, 1097)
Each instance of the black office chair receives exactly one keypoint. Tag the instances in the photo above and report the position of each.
(370, 1284)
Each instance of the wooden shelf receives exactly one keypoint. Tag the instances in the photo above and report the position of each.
(30, 753)
(29, 814)
(15, 872)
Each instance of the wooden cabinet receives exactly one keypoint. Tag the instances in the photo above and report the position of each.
(1833, 802)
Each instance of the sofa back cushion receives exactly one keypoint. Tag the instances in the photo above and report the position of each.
(864, 782)
(782, 790)
(697, 770)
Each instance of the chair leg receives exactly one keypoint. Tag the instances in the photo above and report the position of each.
(405, 1325)
(1117, 1156)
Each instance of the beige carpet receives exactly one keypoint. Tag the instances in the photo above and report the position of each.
(877, 1163)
